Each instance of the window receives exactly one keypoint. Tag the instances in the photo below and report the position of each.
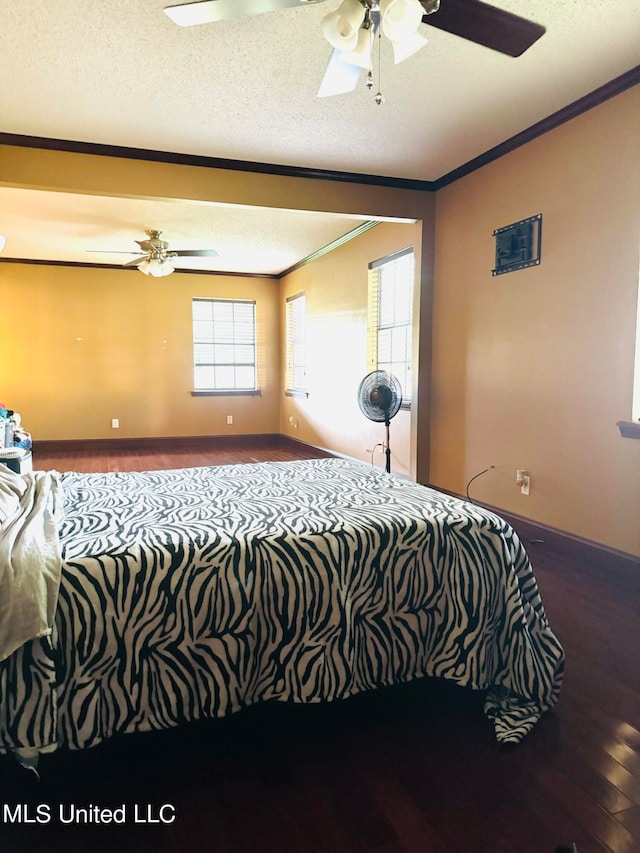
(224, 345)
(296, 379)
(635, 410)
(390, 317)
(631, 429)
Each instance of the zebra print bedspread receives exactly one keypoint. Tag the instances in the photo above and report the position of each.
(192, 593)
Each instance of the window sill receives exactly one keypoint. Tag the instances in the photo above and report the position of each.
(296, 393)
(228, 393)
(629, 429)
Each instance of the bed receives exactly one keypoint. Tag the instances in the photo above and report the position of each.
(135, 602)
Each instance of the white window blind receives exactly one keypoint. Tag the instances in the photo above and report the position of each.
(296, 378)
(224, 345)
(635, 411)
(390, 320)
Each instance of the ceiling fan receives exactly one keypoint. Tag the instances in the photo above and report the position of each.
(350, 29)
(155, 257)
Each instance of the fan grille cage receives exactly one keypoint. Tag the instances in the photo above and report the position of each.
(379, 396)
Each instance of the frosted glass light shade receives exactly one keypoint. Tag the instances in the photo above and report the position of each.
(156, 267)
(340, 28)
(400, 17)
(162, 269)
(361, 54)
(3, 241)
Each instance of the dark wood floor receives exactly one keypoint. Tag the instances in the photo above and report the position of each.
(410, 768)
(147, 456)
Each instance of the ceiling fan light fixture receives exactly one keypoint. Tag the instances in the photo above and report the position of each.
(3, 241)
(361, 54)
(157, 267)
(400, 17)
(340, 28)
(407, 46)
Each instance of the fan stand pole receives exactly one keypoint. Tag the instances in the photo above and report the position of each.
(388, 450)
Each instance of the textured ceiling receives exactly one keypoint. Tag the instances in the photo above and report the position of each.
(96, 229)
(122, 73)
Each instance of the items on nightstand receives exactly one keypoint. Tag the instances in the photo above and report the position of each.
(15, 442)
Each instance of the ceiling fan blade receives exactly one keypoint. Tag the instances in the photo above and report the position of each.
(135, 261)
(486, 25)
(195, 253)
(339, 77)
(210, 11)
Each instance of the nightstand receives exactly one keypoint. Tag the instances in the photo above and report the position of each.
(19, 464)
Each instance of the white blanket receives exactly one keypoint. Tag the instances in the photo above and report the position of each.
(30, 558)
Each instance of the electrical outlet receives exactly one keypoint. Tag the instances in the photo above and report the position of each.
(229, 419)
(115, 423)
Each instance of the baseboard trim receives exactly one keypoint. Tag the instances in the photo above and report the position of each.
(294, 444)
(588, 552)
(218, 442)
(531, 532)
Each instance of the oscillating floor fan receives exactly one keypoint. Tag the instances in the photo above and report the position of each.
(380, 398)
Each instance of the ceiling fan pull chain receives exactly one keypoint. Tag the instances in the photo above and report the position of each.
(379, 98)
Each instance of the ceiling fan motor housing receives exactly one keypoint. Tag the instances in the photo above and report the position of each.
(156, 247)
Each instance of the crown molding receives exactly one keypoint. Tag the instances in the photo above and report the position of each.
(99, 149)
(94, 266)
(573, 110)
(339, 241)
(587, 102)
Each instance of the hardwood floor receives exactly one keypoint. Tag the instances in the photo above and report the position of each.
(149, 456)
(409, 768)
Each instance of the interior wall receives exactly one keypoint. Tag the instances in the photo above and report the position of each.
(88, 345)
(533, 368)
(336, 288)
(63, 171)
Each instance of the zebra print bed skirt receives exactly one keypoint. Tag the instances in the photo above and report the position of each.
(193, 593)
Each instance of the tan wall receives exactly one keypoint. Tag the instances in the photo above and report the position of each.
(532, 369)
(84, 346)
(336, 332)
